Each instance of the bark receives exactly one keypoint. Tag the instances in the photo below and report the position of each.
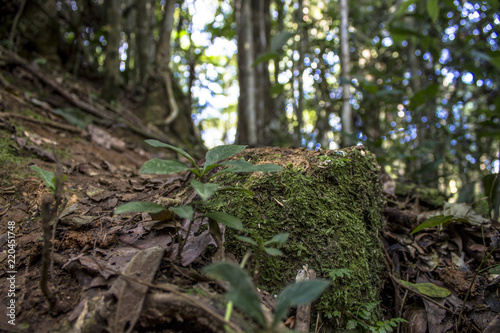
(143, 41)
(112, 60)
(266, 120)
(246, 128)
(166, 106)
(299, 108)
(258, 122)
(346, 113)
(38, 31)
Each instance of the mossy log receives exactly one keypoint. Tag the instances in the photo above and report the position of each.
(330, 202)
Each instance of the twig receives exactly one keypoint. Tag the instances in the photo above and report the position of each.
(173, 290)
(427, 298)
(478, 270)
(49, 214)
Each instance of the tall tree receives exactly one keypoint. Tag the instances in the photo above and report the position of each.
(144, 38)
(346, 113)
(112, 60)
(247, 113)
(256, 113)
(163, 94)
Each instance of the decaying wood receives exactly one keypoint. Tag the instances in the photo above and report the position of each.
(303, 317)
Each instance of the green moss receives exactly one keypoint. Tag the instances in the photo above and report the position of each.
(332, 209)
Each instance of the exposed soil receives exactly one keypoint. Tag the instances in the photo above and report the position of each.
(91, 245)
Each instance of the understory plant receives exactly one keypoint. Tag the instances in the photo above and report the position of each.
(200, 183)
(243, 294)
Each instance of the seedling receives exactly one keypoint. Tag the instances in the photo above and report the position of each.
(201, 185)
(263, 245)
(244, 295)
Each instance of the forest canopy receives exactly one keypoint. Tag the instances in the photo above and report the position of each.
(416, 81)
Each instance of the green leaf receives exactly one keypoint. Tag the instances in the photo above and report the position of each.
(160, 166)
(495, 269)
(298, 293)
(280, 39)
(242, 292)
(219, 153)
(433, 9)
(424, 95)
(403, 7)
(432, 222)
(139, 207)
(205, 190)
(279, 238)
(156, 143)
(338, 273)
(226, 219)
(247, 240)
(265, 57)
(184, 212)
(427, 289)
(48, 177)
(273, 251)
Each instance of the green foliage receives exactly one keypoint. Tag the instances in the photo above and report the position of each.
(364, 315)
(244, 295)
(226, 219)
(338, 273)
(48, 177)
(433, 9)
(262, 245)
(204, 189)
(427, 289)
(433, 222)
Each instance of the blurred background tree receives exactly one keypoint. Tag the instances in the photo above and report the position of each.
(414, 80)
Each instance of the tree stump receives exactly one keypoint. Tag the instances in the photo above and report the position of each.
(330, 203)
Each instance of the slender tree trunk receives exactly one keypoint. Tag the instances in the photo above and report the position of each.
(346, 113)
(299, 107)
(267, 122)
(166, 105)
(112, 60)
(143, 40)
(247, 118)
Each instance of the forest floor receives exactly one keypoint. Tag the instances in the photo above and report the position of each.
(39, 125)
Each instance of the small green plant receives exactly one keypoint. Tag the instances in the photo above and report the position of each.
(48, 177)
(243, 294)
(200, 184)
(263, 245)
(334, 274)
(52, 205)
(364, 315)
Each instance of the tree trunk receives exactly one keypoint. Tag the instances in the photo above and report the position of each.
(257, 118)
(143, 40)
(164, 96)
(346, 113)
(247, 118)
(266, 118)
(112, 60)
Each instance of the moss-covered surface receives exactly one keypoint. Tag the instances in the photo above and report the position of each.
(330, 202)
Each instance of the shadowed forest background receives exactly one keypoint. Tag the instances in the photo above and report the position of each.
(415, 81)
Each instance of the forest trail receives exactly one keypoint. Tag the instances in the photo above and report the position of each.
(101, 159)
